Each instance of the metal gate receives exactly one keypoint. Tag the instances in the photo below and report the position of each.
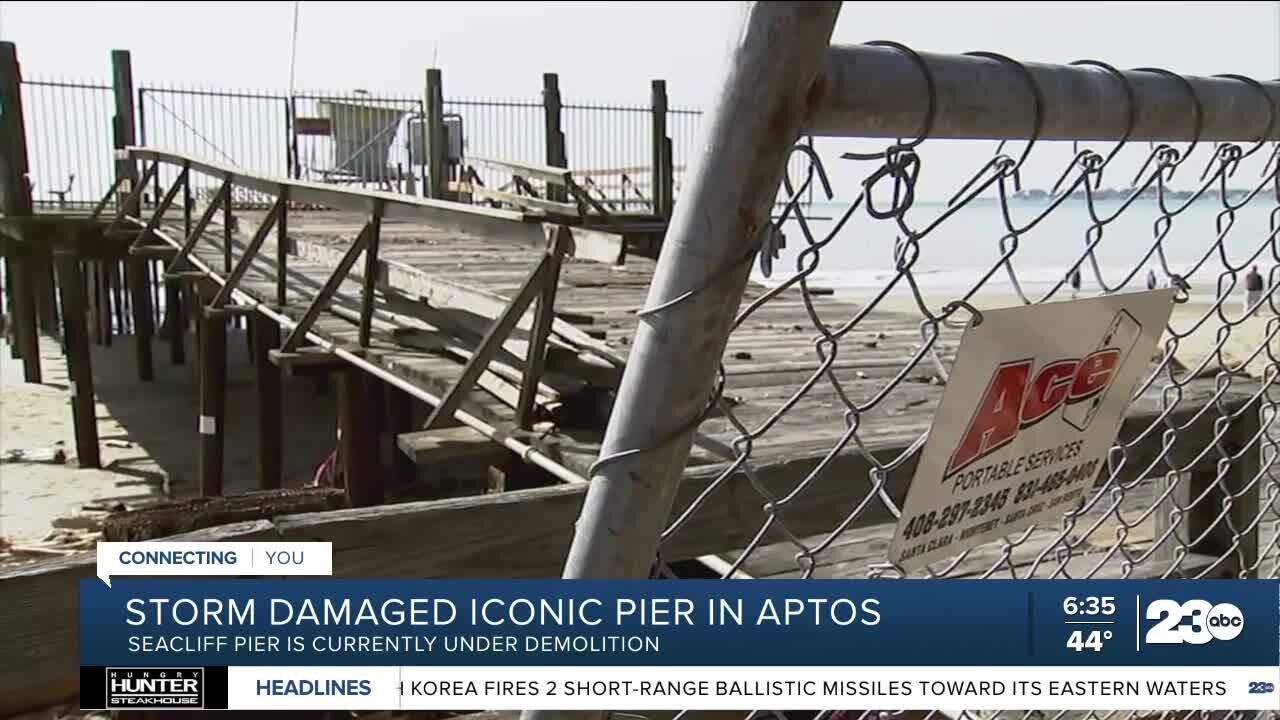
(241, 129)
(68, 128)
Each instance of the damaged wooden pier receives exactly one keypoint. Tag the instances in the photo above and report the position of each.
(507, 331)
(488, 340)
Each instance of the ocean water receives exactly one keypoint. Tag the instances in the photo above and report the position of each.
(954, 256)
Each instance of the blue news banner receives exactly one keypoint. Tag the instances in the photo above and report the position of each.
(447, 644)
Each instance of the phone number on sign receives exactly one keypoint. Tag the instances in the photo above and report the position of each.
(975, 508)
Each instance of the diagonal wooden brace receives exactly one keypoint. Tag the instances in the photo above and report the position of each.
(300, 331)
(102, 204)
(250, 252)
(134, 194)
(197, 232)
(558, 241)
(154, 221)
(370, 275)
(493, 339)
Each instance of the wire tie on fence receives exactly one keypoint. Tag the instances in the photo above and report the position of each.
(926, 123)
(1196, 105)
(951, 307)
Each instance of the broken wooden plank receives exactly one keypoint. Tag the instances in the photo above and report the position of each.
(527, 202)
(545, 173)
(597, 246)
(163, 520)
(426, 447)
(306, 359)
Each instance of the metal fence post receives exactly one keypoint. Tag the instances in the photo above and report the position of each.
(769, 83)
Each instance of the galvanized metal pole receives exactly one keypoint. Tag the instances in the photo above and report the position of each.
(875, 91)
(769, 82)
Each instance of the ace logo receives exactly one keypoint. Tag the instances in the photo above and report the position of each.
(1011, 403)
(1015, 400)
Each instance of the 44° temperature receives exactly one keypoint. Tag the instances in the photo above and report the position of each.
(1088, 639)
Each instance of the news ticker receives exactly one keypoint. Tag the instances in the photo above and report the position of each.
(310, 643)
(678, 688)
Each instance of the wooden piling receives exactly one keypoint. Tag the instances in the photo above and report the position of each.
(555, 144)
(24, 316)
(90, 274)
(125, 127)
(15, 201)
(14, 353)
(213, 389)
(359, 426)
(437, 152)
(45, 289)
(177, 321)
(140, 294)
(399, 406)
(266, 337)
(75, 338)
(117, 297)
(661, 166)
(104, 302)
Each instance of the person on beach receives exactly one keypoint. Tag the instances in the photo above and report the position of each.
(1074, 279)
(1252, 288)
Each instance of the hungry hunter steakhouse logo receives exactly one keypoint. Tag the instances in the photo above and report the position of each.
(1014, 400)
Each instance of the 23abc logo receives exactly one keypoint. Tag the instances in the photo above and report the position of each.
(1195, 622)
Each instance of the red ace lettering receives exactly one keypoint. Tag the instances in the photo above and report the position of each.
(1094, 374)
(1014, 400)
(996, 421)
(1048, 391)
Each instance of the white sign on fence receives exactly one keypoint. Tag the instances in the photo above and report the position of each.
(1031, 410)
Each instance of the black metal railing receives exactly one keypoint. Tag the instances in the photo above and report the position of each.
(353, 138)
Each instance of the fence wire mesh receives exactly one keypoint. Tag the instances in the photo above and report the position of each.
(820, 390)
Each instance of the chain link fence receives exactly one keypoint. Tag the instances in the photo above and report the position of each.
(1216, 365)
(808, 458)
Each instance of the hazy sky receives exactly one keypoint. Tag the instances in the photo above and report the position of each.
(602, 51)
(608, 51)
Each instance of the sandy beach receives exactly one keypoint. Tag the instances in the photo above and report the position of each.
(1196, 324)
(147, 434)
